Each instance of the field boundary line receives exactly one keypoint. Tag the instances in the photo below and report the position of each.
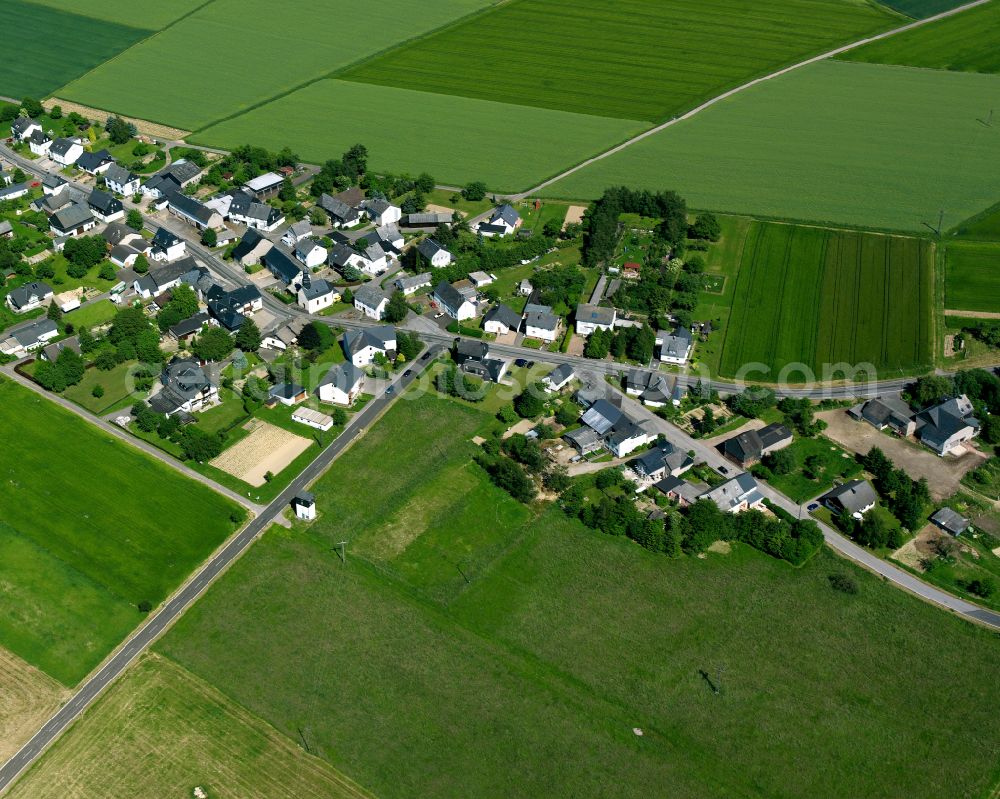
(143, 40)
(742, 87)
(333, 74)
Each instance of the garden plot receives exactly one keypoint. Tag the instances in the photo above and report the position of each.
(266, 449)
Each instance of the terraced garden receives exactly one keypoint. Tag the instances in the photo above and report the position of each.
(815, 296)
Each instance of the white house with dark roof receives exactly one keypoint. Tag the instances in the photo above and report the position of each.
(361, 346)
(39, 143)
(310, 253)
(371, 301)
(95, 163)
(947, 425)
(502, 222)
(736, 494)
(185, 387)
(341, 385)
(282, 265)
(854, 498)
(245, 210)
(29, 338)
(14, 191)
(66, 151)
(382, 212)
(453, 302)
(22, 128)
(177, 176)
(162, 278)
(593, 317)
(501, 319)
(166, 246)
(251, 249)
(315, 294)
(436, 255)
(29, 296)
(53, 184)
(540, 322)
(121, 180)
(675, 347)
(296, 232)
(408, 284)
(558, 378)
(106, 207)
(341, 213)
(73, 220)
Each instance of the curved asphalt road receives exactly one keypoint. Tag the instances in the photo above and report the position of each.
(196, 585)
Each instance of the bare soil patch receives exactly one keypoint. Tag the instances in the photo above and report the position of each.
(266, 449)
(972, 314)
(721, 548)
(431, 208)
(574, 215)
(28, 698)
(944, 475)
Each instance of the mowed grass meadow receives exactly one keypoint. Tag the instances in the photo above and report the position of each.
(230, 55)
(921, 9)
(456, 139)
(817, 296)
(43, 47)
(972, 276)
(631, 59)
(160, 731)
(88, 529)
(966, 42)
(860, 144)
(494, 649)
(149, 14)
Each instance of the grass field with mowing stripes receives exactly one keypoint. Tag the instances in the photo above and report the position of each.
(816, 296)
(150, 14)
(43, 48)
(232, 54)
(966, 42)
(972, 276)
(160, 732)
(459, 140)
(920, 9)
(89, 528)
(631, 59)
(860, 144)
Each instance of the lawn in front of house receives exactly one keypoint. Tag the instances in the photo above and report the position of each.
(834, 466)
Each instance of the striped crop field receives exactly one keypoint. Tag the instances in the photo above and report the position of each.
(43, 48)
(632, 59)
(966, 42)
(815, 296)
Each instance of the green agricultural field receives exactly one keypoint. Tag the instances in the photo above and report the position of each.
(160, 732)
(984, 226)
(247, 59)
(631, 59)
(861, 144)
(814, 296)
(43, 48)
(921, 9)
(972, 277)
(966, 42)
(459, 137)
(149, 14)
(569, 640)
(90, 528)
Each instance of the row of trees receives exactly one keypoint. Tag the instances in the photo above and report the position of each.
(906, 498)
(635, 343)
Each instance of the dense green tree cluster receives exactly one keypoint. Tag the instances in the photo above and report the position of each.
(601, 219)
(906, 498)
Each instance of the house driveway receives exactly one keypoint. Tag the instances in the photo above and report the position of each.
(943, 475)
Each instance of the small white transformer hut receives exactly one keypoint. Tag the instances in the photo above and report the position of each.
(305, 506)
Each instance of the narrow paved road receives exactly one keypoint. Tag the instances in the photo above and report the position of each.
(838, 542)
(128, 438)
(743, 87)
(196, 585)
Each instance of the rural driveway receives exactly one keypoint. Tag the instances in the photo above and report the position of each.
(159, 621)
(943, 475)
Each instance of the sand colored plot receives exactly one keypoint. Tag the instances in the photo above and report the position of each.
(144, 126)
(574, 215)
(161, 732)
(27, 699)
(266, 449)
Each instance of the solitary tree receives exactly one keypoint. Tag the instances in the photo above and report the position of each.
(134, 219)
(397, 309)
(209, 237)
